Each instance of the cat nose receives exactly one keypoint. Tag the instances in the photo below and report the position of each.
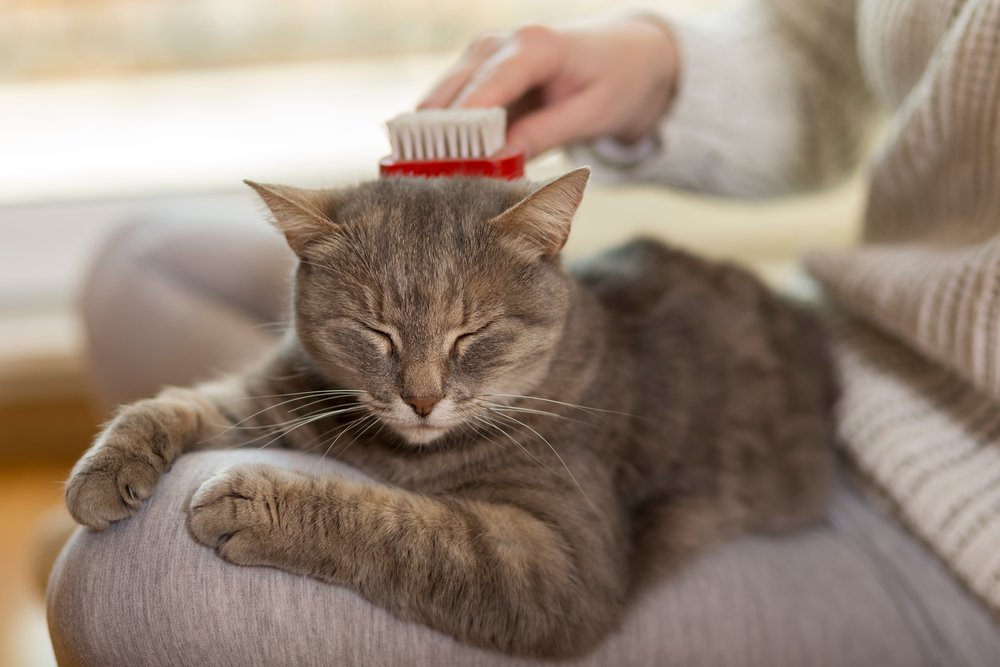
(422, 405)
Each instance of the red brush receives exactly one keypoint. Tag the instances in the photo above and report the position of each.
(452, 142)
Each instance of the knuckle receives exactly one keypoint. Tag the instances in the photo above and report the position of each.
(486, 43)
(532, 34)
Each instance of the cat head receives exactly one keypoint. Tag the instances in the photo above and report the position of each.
(431, 296)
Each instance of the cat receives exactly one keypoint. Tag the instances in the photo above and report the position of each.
(520, 419)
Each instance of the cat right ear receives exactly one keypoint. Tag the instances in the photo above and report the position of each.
(541, 221)
(305, 217)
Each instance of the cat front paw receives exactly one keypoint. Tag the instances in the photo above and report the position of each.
(110, 483)
(247, 513)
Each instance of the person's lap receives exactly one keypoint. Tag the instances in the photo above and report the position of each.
(854, 591)
(174, 302)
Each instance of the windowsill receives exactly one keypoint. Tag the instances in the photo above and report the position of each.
(41, 346)
(83, 157)
(41, 358)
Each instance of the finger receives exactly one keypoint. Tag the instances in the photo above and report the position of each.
(575, 119)
(445, 91)
(531, 58)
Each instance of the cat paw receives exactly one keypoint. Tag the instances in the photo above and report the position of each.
(242, 512)
(109, 484)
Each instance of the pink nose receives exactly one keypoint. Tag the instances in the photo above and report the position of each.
(422, 405)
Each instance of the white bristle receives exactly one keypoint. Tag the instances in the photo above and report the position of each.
(407, 143)
(435, 134)
(476, 147)
(451, 132)
(396, 148)
(439, 151)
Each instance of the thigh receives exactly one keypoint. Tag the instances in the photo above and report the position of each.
(855, 591)
(175, 302)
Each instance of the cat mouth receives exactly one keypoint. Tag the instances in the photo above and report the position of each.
(420, 434)
(443, 419)
(416, 432)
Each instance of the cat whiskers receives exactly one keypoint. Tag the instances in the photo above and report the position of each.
(554, 451)
(575, 406)
(479, 433)
(278, 425)
(288, 376)
(502, 407)
(277, 325)
(368, 419)
(285, 428)
(306, 446)
(325, 394)
(314, 392)
(489, 422)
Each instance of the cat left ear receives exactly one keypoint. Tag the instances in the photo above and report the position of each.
(305, 217)
(543, 218)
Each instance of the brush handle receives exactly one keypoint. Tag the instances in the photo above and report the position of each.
(507, 163)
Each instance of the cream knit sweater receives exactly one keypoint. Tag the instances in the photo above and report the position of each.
(775, 96)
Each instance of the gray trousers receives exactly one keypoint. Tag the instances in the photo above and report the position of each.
(855, 590)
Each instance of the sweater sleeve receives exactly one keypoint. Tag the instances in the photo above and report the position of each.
(770, 100)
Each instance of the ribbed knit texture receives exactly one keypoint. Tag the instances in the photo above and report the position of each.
(775, 96)
(931, 443)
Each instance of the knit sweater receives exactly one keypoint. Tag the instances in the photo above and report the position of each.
(776, 96)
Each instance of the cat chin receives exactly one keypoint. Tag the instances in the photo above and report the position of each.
(421, 435)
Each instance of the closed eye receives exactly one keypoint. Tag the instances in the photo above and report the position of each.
(462, 341)
(384, 338)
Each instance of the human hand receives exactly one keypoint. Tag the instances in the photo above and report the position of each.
(560, 85)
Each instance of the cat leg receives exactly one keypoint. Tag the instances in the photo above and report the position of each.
(488, 574)
(121, 469)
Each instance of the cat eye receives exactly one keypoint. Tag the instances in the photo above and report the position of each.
(462, 341)
(385, 338)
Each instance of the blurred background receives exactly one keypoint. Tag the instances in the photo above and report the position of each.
(113, 111)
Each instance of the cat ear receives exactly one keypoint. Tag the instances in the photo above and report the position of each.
(303, 216)
(543, 218)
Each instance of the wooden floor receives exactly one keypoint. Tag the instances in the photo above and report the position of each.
(32, 519)
(39, 441)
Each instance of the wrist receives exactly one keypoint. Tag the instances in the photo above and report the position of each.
(659, 64)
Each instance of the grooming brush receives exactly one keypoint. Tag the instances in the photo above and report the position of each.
(452, 142)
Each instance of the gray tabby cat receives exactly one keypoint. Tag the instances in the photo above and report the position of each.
(522, 421)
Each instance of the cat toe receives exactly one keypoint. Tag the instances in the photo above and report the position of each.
(106, 487)
(244, 513)
(229, 505)
(213, 512)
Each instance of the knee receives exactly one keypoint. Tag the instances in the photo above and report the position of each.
(166, 301)
(121, 304)
(118, 262)
(75, 607)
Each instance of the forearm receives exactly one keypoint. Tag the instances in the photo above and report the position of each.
(114, 477)
(492, 575)
(120, 470)
(770, 99)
